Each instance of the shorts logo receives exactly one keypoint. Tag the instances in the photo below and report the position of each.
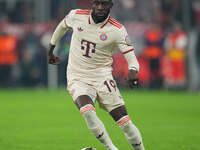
(72, 92)
(103, 37)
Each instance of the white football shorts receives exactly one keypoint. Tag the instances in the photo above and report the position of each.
(105, 92)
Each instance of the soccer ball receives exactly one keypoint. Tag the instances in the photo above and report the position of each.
(88, 148)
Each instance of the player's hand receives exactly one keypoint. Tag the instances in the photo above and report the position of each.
(54, 60)
(132, 79)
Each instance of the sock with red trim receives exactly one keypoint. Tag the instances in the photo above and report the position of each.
(131, 132)
(96, 126)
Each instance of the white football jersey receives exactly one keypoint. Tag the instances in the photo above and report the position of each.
(92, 45)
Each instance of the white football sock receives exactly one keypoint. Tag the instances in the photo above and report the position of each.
(96, 126)
(131, 132)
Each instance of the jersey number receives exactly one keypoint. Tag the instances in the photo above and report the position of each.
(88, 47)
(110, 83)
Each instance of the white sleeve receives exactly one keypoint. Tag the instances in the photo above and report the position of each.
(60, 30)
(63, 27)
(125, 46)
(70, 18)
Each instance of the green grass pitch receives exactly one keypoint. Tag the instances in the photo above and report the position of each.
(48, 120)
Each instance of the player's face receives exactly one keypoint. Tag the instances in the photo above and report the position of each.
(101, 7)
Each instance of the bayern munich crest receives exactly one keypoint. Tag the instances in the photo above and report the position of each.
(103, 37)
(72, 92)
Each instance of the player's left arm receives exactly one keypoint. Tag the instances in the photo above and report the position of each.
(126, 47)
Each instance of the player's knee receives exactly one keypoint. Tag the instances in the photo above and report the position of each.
(83, 100)
(118, 113)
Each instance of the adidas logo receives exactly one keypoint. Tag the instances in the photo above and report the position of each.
(79, 29)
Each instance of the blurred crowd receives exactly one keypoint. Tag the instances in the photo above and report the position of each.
(159, 30)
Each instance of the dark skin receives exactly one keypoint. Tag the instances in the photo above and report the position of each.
(100, 12)
(52, 59)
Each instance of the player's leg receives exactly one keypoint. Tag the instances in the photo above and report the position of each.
(132, 134)
(86, 107)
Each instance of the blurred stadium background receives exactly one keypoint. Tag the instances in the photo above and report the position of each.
(166, 36)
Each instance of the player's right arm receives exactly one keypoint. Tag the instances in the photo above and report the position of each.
(60, 30)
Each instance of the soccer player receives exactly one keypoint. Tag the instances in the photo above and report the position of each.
(89, 73)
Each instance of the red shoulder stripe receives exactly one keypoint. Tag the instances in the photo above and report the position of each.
(115, 24)
(114, 20)
(83, 12)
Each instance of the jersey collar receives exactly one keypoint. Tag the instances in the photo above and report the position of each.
(101, 24)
